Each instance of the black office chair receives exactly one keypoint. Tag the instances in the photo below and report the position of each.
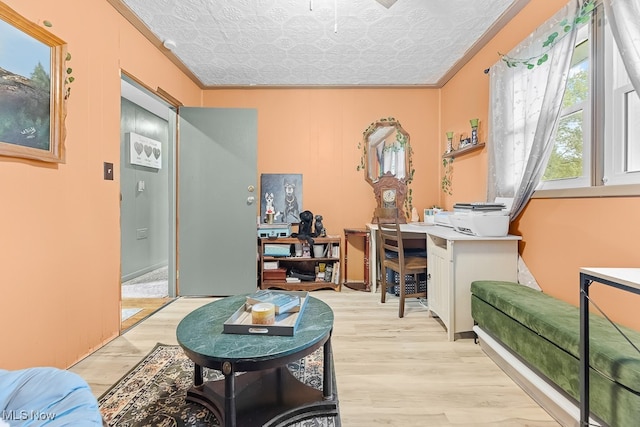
(392, 256)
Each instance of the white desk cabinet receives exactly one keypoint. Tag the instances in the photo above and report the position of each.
(454, 261)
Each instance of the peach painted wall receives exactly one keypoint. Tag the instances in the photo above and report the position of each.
(60, 252)
(61, 247)
(316, 132)
(559, 235)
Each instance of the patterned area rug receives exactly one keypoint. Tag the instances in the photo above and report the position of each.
(153, 392)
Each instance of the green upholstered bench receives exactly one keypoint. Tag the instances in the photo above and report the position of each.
(544, 333)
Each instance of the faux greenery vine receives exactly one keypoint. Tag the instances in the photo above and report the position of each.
(69, 79)
(68, 71)
(564, 27)
(408, 201)
(446, 182)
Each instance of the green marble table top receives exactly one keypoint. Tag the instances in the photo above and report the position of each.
(201, 332)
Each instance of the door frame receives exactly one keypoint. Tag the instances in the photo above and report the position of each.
(162, 105)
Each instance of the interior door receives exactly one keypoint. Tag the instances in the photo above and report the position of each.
(217, 163)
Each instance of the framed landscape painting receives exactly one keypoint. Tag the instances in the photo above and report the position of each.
(32, 79)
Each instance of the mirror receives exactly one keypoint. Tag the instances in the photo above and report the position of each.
(387, 151)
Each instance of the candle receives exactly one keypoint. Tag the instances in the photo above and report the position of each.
(474, 123)
(263, 313)
(449, 135)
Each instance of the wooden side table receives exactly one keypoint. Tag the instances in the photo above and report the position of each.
(627, 279)
(365, 234)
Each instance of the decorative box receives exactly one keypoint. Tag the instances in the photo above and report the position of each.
(274, 249)
(274, 230)
(277, 274)
(270, 265)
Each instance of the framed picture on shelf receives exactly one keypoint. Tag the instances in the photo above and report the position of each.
(281, 195)
(32, 89)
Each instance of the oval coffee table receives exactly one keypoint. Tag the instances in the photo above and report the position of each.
(266, 393)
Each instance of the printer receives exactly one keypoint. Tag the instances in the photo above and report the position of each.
(482, 219)
(442, 218)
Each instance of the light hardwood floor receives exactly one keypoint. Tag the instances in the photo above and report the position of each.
(147, 307)
(390, 371)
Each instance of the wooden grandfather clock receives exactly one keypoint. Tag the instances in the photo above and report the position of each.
(390, 194)
(387, 167)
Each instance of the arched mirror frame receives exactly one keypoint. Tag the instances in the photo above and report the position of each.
(387, 166)
(387, 151)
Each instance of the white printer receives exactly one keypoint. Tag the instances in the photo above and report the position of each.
(481, 219)
(442, 218)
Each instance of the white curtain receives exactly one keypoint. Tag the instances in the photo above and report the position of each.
(524, 107)
(624, 20)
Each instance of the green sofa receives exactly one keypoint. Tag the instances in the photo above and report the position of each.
(543, 333)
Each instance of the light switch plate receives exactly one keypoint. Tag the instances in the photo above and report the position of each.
(108, 171)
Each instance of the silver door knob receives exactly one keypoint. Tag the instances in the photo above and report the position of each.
(250, 200)
(251, 188)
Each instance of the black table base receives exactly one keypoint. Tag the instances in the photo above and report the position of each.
(266, 398)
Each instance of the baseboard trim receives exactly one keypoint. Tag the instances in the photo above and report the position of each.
(556, 402)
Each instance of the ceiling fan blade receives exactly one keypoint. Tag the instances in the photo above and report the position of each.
(387, 3)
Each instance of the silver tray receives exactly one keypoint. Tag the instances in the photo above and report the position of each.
(285, 324)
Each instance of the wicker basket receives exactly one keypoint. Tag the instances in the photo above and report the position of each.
(410, 283)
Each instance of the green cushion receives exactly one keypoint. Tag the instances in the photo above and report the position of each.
(608, 400)
(559, 322)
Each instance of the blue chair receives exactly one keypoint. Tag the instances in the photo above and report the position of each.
(46, 396)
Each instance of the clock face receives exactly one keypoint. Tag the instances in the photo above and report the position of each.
(389, 198)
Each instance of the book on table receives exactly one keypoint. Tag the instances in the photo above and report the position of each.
(282, 300)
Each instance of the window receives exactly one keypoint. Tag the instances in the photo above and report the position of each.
(622, 124)
(597, 140)
(569, 162)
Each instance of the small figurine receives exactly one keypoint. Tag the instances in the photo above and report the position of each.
(320, 230)
(306, 250)
(414, 215)
(304, 227)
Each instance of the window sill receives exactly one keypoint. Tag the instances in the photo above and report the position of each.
(586, 192)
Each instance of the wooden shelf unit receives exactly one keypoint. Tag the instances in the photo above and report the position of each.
(302, 264)
(464, 150)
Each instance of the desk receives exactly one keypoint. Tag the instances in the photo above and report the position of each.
(267, 393)
(454, 261)
(413, 230)
(627, 279)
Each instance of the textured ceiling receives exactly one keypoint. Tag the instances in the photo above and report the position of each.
(318, 42)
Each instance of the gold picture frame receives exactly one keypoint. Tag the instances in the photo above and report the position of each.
(32, 90)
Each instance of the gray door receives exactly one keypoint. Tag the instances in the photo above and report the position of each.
(217, 237)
